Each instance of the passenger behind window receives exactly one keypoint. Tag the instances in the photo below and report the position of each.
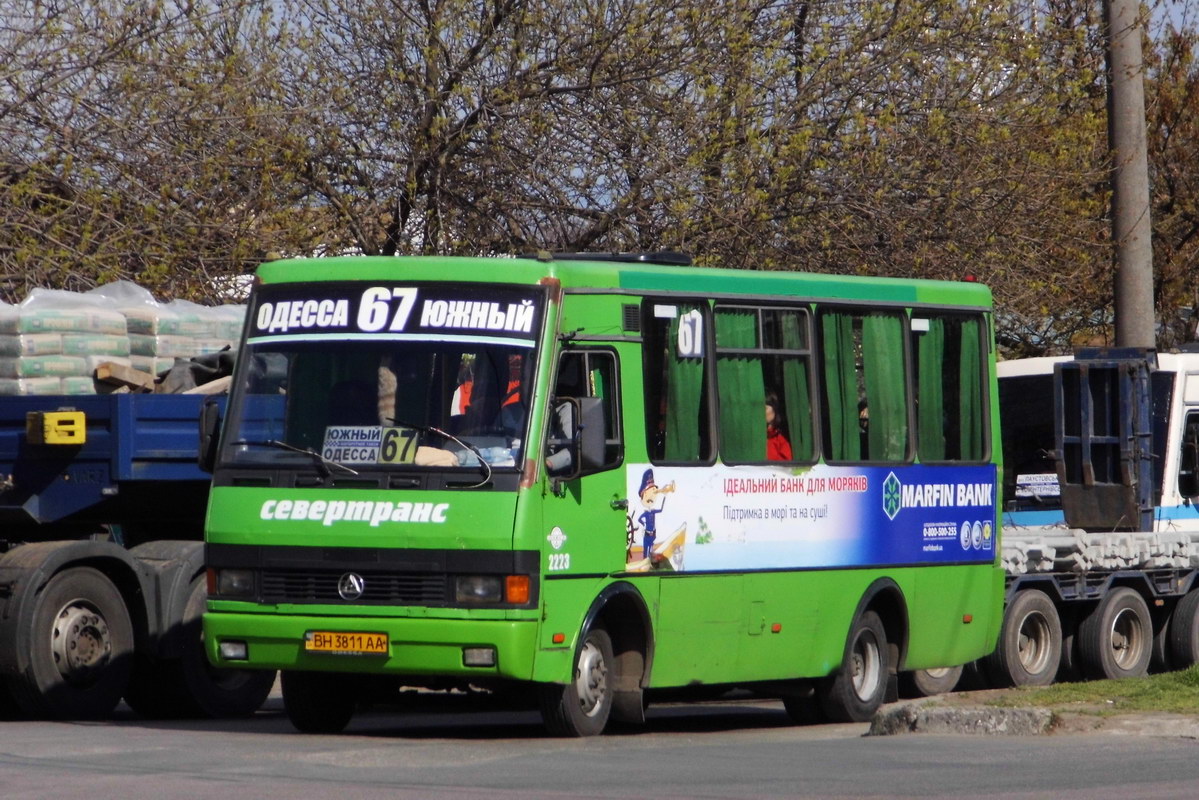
(778, 447)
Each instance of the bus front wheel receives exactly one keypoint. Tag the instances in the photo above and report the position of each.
(856, 690)
(582, 707)
(318, 702)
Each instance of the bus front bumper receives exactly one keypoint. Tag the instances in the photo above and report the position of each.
(452, 648)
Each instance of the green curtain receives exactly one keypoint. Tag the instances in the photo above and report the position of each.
(882, 362)
(796, 391)
(840, 386)
(684, 395)
(970, 377)
(741, 390)
(930, 392)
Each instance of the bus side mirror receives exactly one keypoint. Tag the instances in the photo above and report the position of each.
(577, 439)
(210, 431)
(592, 436)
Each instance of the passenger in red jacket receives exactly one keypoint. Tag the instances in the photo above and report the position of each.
(777, 446)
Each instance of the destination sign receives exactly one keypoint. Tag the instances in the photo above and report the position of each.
(341, 309)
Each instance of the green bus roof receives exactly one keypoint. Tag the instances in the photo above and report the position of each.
(634, 278)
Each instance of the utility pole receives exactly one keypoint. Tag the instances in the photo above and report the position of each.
(1130, 175)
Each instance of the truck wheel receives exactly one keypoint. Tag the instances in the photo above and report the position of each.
(81, 651)
(1184, 631)
(1030, 642)
(190, 686)
(582, 707)
(318, 702)
(856, 689)
(9, 710)
(929, 682)
(1069, 669)
(1115, 639)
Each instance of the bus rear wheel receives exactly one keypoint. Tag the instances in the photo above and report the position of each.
(856, 690)
(582, 707)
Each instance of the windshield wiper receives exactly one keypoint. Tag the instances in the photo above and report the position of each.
(324, 465)
(467, 445)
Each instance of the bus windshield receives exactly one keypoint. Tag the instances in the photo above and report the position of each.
(422, 383)
(418, 404)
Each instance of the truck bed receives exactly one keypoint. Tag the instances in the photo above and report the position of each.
(137, 465)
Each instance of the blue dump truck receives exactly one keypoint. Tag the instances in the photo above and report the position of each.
(102, 583)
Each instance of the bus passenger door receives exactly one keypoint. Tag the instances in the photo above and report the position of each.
(585, 512)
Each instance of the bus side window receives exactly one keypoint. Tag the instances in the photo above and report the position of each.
(763, 361)
(950, 400)
(678, 414)
(864, 386)
(593, 373)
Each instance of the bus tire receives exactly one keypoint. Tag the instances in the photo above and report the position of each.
(1116, 639)
(582, 707)
(929, 682)
(318, 702)
(1029, 649)
(81, 653)
(1184, 631)
(189, 686)
(855, 691)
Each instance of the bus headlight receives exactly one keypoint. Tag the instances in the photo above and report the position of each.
(478, 589)
(234, 582)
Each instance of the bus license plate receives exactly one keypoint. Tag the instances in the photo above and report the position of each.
(347, 643)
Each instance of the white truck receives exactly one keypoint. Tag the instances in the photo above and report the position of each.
(1100, 527)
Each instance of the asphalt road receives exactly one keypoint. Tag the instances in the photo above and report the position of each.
(741, 750)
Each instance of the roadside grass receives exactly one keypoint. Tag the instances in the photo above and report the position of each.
(1170, 692)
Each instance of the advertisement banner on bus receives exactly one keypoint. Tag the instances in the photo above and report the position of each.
(749, 517)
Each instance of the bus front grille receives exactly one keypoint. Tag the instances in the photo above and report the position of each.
(378, 588)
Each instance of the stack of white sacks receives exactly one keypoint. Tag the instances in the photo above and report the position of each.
(52, 342)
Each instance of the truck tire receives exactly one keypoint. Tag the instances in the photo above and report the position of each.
(855, 691)
(81, 648)
(9, 710)
(1184, 631)
(1030, 642)
(929, 682)
(1116, 639)
(1069, 669)
(318, 702)
(190, 686)
(582, 707)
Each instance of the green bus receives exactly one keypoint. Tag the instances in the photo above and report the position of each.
(589, 478)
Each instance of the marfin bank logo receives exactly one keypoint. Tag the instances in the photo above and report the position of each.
(892, 496)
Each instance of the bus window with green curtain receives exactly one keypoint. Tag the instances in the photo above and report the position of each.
(949, 387)
(677, 415)
(864, 385)
(740, 388)
(763, 385)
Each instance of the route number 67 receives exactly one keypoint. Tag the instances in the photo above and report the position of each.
(375, 309)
